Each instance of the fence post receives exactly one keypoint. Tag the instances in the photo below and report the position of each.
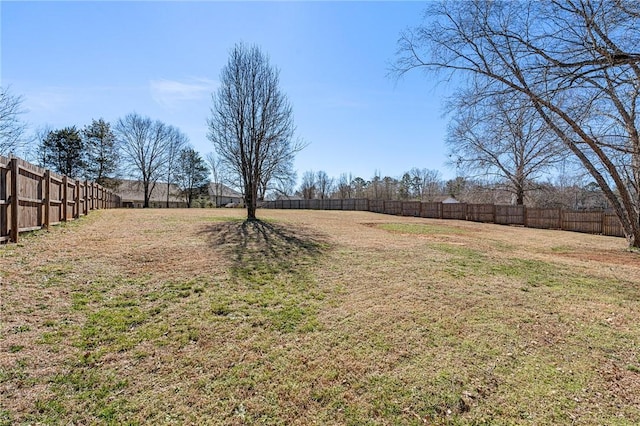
(15, 201)
(77, 206)
(64, 198)
(47, 198)
(525, 217)
(559, 218)
(86, 197)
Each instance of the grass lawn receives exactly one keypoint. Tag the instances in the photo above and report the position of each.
(316, 317)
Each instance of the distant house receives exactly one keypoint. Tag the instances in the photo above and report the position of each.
(288, 197)
(132, 194)
(450, 200)
(221, 195)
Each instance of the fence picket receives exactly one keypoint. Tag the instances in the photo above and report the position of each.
(33, 198)
(598, 222)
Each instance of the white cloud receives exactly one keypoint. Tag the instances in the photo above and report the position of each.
(171, 93)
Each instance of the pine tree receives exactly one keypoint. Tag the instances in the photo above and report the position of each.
(63, 152)
(193, 174)
(101, 152)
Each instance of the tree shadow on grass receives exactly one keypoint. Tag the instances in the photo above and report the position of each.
(256, 244)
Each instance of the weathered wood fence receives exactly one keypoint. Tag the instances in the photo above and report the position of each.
(34, 198)
(592, 222)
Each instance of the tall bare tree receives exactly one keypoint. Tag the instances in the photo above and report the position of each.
(359, 187)
(38, 151)
(176, 143)
(577, 62)
(12, 129)
(213, 161)
(308, 186)
(375, 186)
(251, 124)
(343, 186)
(502, 139)
(144, 145)
(324, 184)
(426, 183)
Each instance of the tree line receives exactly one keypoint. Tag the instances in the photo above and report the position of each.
(251, 128)
(568, 191)
(136, 147)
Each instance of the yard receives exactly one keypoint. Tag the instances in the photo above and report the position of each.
(316, 317)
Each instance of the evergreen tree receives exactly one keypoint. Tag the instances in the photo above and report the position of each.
(192, 174)
(101, 152)
(63, 152)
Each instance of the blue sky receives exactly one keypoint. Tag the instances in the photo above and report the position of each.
(74, 61)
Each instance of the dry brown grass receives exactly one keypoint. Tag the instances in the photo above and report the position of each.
(196, 317)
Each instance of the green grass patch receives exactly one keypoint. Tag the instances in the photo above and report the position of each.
(422, 229)
(112, 326)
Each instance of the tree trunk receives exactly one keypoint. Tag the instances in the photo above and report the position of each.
(251, 194)
(146, 195)
(634, 238)
(519, 196)
(251, 208)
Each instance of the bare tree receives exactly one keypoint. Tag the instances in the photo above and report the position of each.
(426, 183)
(344, 188)
(251, 125)
(144, 145)
(375, 185)
(277, 175)
(359, 186)
(389, 188)
(176, 143)
(12, 129)
(324, 184)
(576, 62)
(308, 185)
(215, 167)
(502, 139)
(283, 188)
(38, 151)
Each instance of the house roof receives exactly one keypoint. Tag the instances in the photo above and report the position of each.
(450, 200)
(289, 197)
(132, 190)
(221, 190)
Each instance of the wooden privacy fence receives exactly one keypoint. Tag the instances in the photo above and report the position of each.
(592, 222)
(34, 198)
